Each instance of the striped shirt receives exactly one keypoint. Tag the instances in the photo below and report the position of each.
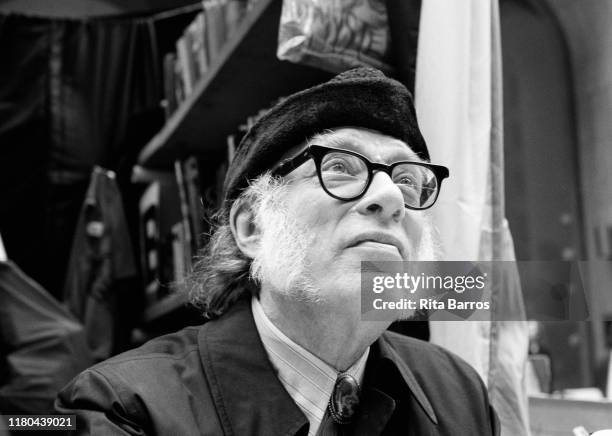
(308, 380)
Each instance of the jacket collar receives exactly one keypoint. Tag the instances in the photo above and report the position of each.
(238, 371)
(388, 352)
(248, 395)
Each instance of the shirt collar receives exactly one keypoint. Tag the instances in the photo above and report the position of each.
(308, 379)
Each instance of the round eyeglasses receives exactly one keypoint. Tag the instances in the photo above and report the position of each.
(346, 175)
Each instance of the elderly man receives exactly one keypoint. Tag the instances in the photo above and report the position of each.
(331, 176)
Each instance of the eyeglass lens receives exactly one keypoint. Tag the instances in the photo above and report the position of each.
(346, 176)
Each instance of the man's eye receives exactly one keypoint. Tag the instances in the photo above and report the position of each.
(408, 181)
(339, 166)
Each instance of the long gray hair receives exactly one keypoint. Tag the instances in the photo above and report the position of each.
(221, 274)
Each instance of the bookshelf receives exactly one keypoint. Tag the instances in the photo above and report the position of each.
(245, 77)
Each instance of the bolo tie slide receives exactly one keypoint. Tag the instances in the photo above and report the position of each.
(344, 402)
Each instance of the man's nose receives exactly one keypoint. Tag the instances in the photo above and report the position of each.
(383, 199)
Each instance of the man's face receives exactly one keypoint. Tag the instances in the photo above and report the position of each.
(314, 246)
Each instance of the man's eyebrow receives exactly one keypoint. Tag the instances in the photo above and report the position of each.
(404, 153)
(338, 141)
(330, 140)
(334, 140)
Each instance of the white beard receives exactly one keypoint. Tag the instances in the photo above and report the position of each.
(281, 261)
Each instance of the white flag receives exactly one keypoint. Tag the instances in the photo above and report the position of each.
(459, 106)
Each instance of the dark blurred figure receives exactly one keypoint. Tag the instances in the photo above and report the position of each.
(42, 346)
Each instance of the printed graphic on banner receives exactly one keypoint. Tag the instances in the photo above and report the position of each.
(455, 291)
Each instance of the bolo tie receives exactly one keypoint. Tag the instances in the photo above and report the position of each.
(342, 407)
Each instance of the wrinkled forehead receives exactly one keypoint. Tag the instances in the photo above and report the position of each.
(374, 145)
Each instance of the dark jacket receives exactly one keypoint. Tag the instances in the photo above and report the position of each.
(216, 379)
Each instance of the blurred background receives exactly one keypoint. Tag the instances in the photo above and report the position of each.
(118, 119)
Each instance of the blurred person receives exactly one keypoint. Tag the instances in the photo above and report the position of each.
(331, 176)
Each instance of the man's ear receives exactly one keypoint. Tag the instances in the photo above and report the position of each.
(245, 231)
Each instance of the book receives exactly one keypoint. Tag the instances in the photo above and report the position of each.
(179, 248)
(170, 101)
(186, 62)
(234, 13)
(185, 213)
(215, 27)
(179, 83)
(197, 31)
(192, 181)
(159, 211)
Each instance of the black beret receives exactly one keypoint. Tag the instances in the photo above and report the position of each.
(361, 97)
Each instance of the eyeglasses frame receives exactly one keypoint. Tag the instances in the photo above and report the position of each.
(318, 152)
